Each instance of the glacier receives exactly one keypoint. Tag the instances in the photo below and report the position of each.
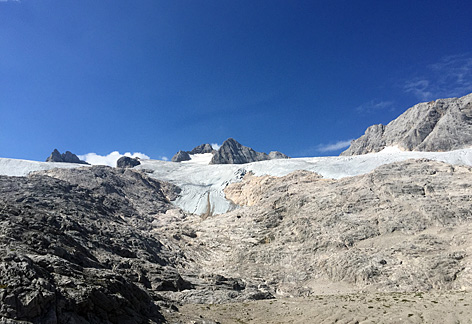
(201, 182)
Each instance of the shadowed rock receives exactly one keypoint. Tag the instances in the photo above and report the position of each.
(181, 156)
(67, 157)
(127, 162)
(232, 152)
(204, 148)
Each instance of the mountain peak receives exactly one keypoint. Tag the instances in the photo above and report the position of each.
(435, 126)
(66, 157)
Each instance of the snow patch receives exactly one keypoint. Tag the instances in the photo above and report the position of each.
(203, 158)
(391, 150)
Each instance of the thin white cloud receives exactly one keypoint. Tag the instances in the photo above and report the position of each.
(110, 159)
(419, 88)
(215, 146)
(164, 158)
(334, 147)
(374, 105)
(449, 77)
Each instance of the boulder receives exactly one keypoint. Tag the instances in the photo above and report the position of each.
(127, 162)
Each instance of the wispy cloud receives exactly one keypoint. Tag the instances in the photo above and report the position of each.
(374, 105)
(110, 159)
(419, 88)
(333, 146)
(450, 77)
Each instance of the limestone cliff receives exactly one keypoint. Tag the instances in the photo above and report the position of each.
(441, 125)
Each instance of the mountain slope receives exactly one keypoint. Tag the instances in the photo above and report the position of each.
(405, 226)
(441, 125)
(75, 247)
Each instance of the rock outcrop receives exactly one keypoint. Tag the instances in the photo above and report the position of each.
(204, 148)
(274, 155)
(441, 125)
(181, 156)
(67, 157)
(75, 247)
(127, 162)
(232, 152)
(185, 155)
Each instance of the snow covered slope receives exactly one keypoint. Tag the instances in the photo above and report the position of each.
(200, 181)
(21, 168)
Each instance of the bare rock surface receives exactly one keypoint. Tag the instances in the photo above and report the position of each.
(99, 245)
(403, 227)
(79, 251)
(441, 125)
(181, 156)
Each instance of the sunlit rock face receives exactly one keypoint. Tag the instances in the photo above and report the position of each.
(436, 126)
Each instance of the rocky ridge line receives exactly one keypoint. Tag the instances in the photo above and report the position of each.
(66, 157)
(441, 125)
(232, 152)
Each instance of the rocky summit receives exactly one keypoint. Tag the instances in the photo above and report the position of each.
(232, 152)
(66, 157)
(441, 125)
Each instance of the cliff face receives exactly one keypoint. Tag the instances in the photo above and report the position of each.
(441, 125)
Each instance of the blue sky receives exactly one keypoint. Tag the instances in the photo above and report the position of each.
(150, 76)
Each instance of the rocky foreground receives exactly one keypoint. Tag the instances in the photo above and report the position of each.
(106, 245)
